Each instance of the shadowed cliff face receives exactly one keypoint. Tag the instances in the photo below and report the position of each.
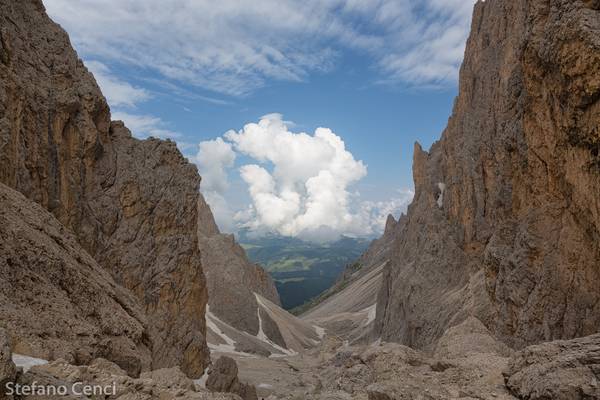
(132, 204)
(506, 217)
(56, 301)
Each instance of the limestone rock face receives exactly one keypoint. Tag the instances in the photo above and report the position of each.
(469, 337)
(53, 118)
(505, 223)
(142, 226)
(131, 204)
(57, 302)
(558, 370)
(231, 278)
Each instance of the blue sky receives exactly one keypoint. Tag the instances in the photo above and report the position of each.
(380, 74)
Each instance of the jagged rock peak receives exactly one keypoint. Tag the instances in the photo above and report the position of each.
(390, 224)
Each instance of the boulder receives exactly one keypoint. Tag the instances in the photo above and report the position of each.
(223, 377)
(559, 370)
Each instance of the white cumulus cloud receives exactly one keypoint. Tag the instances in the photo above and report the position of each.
(307, 190)
(375, 213)
(214, 158)
(299, 185)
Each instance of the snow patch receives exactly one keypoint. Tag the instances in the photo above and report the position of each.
(223, 348)
(27, 362)
(210, 323)
(320, 331)
(264, 386)
(371, 313)
(440, 200)
(202, 381)
(229, 346)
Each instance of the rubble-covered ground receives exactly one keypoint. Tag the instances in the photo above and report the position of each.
(467, 363)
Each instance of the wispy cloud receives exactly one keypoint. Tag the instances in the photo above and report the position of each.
(428, 41)
(234, 46)
(175, 90)
(145, 125)
(117, 92)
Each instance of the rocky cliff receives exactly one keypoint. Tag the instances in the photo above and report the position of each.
(145, 232)
(236, 287)
(57, 302)
(232, 279)
(505, 223)
(131, 204)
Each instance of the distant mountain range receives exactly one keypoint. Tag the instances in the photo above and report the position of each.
(301, 269)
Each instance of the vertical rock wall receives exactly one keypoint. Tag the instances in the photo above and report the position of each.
(506, 217)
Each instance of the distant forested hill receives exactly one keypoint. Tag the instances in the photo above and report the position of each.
(302, 270)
